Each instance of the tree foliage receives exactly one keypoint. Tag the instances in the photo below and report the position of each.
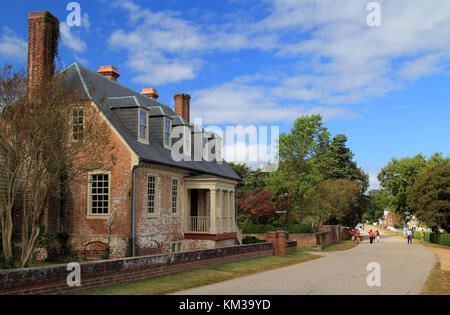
(260, 206)
(40, 154)
(334, 201)
(377, 202)
(429, 196)
(312, 167)
(398, 177)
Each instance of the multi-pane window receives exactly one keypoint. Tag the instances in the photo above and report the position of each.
(151, 194)
(99, 194)
(167, 132)
(143, 128)
(174, 196)
(77, 124)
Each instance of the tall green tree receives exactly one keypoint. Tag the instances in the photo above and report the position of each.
(377, 201)
(429, 197)
(253, 181)
(300, 152)
(397, 179)
(399, 176)
(339, 164)
(335, 200)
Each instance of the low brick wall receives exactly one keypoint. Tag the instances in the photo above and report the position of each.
(329, 235)
(52, 279)
(291, 246)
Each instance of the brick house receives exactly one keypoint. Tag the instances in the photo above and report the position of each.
(148, 202)
(388, 219)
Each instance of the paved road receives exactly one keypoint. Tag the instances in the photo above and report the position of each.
(404, 270)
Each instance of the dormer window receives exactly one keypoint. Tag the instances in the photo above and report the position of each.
(143, 126)
(167, 133)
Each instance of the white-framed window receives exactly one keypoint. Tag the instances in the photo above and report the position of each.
(99, 193)
(176, 247)
(174, 196)
(143, 126)
(77, 124)
(167, 133)
(151, 194)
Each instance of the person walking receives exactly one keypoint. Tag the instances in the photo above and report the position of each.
(371, 236)
(358, 236)
(353, 236)
(377, 234)
(409, 233)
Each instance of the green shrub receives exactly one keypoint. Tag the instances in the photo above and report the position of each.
(300, 228)
(445, 239)
(251, 240)
(436, 238)
(7, 263)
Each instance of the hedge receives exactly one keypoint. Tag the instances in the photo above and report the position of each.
(251, 240)
(436, 238)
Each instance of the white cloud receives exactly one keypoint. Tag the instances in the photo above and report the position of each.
(85, 22)
(240, 103)
(351, 61)
(423, 66)
(335, 58)
(71, 39)
(12, 46)
(374, 183)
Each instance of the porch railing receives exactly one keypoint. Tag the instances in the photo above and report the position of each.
(199, 224)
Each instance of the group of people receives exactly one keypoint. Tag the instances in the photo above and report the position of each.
(356, 236)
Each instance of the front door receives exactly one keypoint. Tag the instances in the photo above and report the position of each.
(194, 202)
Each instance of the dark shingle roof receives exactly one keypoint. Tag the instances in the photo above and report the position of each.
(109, 94)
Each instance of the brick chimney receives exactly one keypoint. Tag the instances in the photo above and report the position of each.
(150, 93)
(43, 36)
(183, 106)
(109, 71)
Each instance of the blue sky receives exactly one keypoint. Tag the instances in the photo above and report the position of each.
(266, 62)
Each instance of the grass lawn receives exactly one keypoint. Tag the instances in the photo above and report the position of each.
(438, 282)
(196, 278)
(344, 245)
(340, 246)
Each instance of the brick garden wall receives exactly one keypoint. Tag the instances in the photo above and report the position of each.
(326, 237)
(52, 279)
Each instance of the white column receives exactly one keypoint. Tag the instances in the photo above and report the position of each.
(226, 211)
(233, 212)
(228, 197)
(219, 211)
(213, 212)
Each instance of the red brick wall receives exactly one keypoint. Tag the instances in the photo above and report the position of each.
(52, 279)
(311, 239)
(164, 228)
(42, 27)
(83, 231)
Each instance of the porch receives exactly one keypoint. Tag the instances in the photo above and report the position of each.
(210, 208)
